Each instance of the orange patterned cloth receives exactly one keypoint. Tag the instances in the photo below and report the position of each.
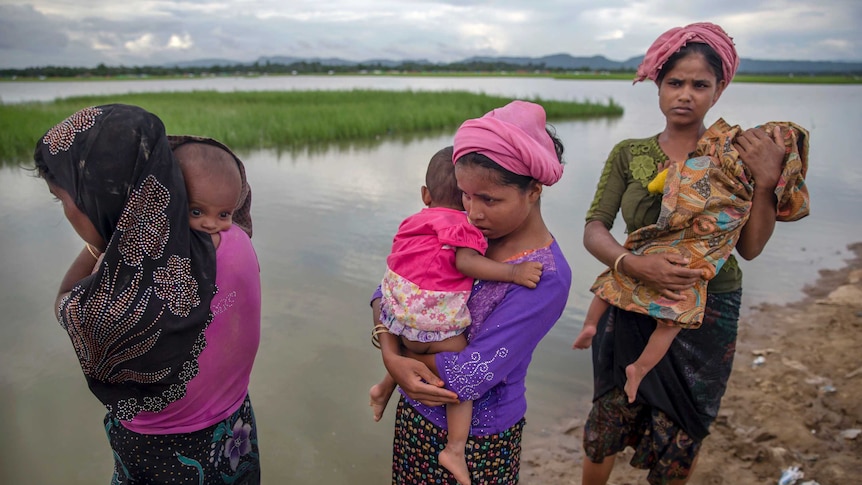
(706, 202)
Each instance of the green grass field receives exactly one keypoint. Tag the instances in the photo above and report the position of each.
(281, 119)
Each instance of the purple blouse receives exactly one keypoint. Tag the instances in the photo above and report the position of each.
(509, 320)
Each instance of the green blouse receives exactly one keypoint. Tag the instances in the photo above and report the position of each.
(622, 187)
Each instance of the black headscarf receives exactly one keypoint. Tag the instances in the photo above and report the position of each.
(137, 324)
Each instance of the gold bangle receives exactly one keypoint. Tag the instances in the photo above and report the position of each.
(617, 261)
(92, 251)
(375, 332)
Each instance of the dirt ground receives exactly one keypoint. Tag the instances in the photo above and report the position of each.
(794, 400)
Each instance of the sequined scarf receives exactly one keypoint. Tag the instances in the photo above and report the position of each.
(136, 324)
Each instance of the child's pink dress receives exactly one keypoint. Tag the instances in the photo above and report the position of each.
(424, 294)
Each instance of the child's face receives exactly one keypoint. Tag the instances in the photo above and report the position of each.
(211, 204)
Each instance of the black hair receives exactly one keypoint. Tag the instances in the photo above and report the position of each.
(40, 168)
(440, 180)
(507, 177)
(708, 53)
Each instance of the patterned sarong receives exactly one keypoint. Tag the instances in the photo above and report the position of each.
(706, 202)
(492, 460)
(224, 453)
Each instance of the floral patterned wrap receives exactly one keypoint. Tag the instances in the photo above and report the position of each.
(705, 204)
(225, 453)
(137, 323)
(422, 315)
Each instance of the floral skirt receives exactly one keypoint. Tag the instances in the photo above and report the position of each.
(492, 460)
(225, 452)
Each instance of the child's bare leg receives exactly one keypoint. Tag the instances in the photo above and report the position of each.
(591, 321)
(458, 418)
(658, 345)
(380, 394)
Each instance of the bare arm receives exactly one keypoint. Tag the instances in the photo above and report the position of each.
(81, 267)
(666, 272)
(763, 155)
(416, 378)
(471, 263)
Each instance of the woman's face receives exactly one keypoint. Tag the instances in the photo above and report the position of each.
(497, 210)
(80, 222)
(688, 91)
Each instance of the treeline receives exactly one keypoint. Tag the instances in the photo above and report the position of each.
(259, 68)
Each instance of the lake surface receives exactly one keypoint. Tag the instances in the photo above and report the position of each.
(324, 220)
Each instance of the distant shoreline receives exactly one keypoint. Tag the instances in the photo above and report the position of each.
(576, 75)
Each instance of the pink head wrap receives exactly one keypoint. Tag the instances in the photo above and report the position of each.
(674, 39)
(514, 136)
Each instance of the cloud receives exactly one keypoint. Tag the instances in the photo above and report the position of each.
(24, 28)
(136, 32)
(180, 42)
(142, 45)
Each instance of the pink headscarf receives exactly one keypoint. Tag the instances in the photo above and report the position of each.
(514, 136)
(674, 39)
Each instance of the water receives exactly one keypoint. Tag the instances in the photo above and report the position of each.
(323, 224)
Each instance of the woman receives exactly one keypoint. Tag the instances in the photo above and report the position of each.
(165, 328)
(503, 160)
(679, 399)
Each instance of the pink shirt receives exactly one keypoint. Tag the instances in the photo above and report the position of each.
(423, 250)
(232, 342)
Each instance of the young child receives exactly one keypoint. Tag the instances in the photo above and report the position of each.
(435, 257)
(213, 184)
(703, 227)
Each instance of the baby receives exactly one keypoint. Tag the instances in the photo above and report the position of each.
(213, 184)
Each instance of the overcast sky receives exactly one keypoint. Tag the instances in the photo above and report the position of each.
(146, 32)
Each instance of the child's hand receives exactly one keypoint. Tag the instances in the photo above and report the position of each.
(527, 273)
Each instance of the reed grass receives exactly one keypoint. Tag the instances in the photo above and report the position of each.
(282, 119)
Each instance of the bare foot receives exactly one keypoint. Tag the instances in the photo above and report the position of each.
(634, 376)
(585, 338)
(379, 394)
(456, 463)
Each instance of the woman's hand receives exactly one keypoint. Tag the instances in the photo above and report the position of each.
(417, 380)
(764, 156)
(667, 273)
(763, 153)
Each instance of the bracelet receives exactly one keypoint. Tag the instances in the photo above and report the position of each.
(92, 251)
(375, 332)
(617, 261)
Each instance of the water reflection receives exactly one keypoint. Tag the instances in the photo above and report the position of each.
(324, 218)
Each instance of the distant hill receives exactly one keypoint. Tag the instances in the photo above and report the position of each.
(205, 63)
(554, 61)
(334, 61)
(601, 63)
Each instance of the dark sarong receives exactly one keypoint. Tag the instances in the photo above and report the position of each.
(677, 401)
(492, 460)
(226, 452)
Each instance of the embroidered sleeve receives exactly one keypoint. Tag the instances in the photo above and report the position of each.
(611, 186)
(505, 339)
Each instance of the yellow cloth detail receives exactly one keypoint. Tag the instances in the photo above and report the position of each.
(657, 184)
